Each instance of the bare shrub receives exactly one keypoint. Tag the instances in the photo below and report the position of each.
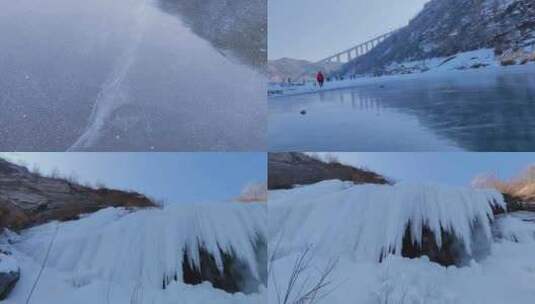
(301, 287)
(55, 173)
(159, 202)
(521, 186)
(315, 155)
(36, 169)
(331, 158)
(100, 185)
(72, 178)
(253, 192)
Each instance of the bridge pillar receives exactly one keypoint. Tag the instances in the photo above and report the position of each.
(338, 59)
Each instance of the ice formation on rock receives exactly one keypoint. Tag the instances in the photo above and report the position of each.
(148, 246)
(370, 221)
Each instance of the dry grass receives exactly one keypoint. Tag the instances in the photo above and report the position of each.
(520, 56)
(521, 186)
(253, 193)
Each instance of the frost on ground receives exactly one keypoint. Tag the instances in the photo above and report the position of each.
(121, 75)
(362, 228)
(147, 256)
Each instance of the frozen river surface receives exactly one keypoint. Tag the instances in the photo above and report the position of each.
(477, 110)
(120, 75)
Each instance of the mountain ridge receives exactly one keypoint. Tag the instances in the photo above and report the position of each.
(448, 27)
(28, 198)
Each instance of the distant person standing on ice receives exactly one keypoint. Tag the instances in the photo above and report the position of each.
(320, 78)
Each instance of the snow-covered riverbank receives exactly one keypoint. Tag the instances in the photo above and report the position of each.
(344, 227)
(481, 62)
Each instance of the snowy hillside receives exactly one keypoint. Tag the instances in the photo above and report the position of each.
(448, 27)
(354, 242)
(147, 256)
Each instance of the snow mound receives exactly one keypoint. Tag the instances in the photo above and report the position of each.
(369, 221)
(147, 246)
(461, 61)
(8, 264)
(516, 227)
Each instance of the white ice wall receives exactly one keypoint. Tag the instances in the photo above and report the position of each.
(368, 221)
(143, 246)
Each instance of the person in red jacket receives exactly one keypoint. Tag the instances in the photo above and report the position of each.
(320, 78)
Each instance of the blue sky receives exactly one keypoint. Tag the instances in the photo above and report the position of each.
(175, 177)
(448, 168)
(314, 29)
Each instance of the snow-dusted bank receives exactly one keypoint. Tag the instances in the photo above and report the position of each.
(484, 61)
(354, 243)
(146, 256)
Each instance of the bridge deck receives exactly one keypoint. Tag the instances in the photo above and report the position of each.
(357, 50)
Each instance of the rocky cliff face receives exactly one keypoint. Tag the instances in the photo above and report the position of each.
(28, 199)
(289, 169)
(447, 27)
(236, 26)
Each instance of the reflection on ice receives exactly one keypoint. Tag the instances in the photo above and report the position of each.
(479, 110)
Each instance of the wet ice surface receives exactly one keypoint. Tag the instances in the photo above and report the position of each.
(120, 75)
(477, 110)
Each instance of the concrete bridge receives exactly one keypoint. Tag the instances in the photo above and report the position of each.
(356, 51)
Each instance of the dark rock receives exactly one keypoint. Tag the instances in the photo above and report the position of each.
(303, 112)
(448, 254)
(516, 204)
(478, 65)
(236, 276)
(286, 170)
(7, 283)
(452, 250)
(8, 279)
(507, 62)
